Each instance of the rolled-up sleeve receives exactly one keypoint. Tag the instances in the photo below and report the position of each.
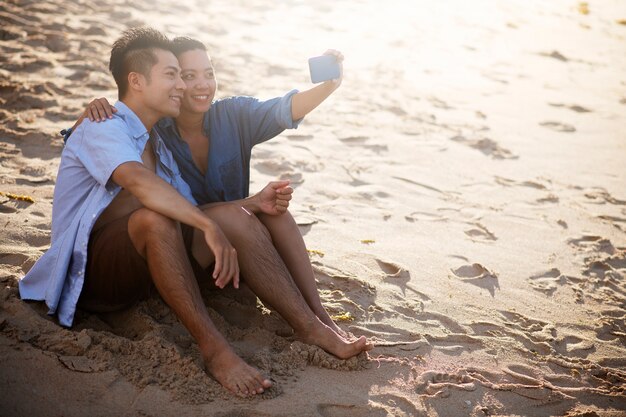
(263, 120)
(283, 112)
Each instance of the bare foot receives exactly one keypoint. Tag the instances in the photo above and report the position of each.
(330, 323)
(234, 374)
(323, 336)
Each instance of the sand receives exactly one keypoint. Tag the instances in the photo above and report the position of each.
(463, 195)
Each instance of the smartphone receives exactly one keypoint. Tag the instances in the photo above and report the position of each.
(323, 68)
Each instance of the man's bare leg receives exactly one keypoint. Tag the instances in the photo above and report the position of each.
(290, 245)
(268, 277)
(159, 241)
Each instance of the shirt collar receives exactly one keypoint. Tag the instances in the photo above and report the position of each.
(169, 125)
(137, 129)
(205, 124)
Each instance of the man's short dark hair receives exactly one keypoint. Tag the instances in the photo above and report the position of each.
(183, 44)
(134, 52)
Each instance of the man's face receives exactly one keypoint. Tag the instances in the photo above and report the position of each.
(199, 77)
(164, 89)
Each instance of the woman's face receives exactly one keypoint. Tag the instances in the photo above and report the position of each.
(199, 77)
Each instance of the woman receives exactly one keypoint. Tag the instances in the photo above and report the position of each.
(212, 143)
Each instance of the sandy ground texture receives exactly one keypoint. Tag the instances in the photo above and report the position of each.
(463, 196)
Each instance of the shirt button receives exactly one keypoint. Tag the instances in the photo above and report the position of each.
(80, 273)
(93, 216)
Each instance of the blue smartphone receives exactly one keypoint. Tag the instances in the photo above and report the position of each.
(323, 68)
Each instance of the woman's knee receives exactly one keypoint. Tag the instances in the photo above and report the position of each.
(235, 219)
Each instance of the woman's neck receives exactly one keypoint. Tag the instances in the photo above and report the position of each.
(190, 123)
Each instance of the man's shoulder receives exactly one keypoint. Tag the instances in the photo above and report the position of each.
(111, 129)
(116, 125)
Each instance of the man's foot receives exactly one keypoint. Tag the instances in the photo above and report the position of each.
(323, 336)
(234, 374)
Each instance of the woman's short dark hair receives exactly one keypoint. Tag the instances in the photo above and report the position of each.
(134, 52)
(183, 44)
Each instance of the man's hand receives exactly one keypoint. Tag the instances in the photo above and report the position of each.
(274, 198)
(226, 264)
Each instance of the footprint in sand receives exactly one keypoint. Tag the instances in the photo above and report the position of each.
(355, 171)
(617, 222)
(486, 146)
(393, 405)
(480, 233)
(475, 270)
(534, 335)
(478, 275)
(393, 273)
(284, 170)
(555, 55)
(425, 216)
(572, 107)
(398, 111)
(592, 243)
(407, 307)
(612, 325)
(610, 267)
(361, 142)
(392, 269)
(33, 175)
(438, 384)
(550, 198)
(547, 282)
(354, 140)
(575, 346)
(343, 292)
(599, 195)
(507, 182)
(558, 126)
(440, 104)
(23, 261)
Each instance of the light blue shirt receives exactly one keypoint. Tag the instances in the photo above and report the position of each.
(233, 125)
(84, 188)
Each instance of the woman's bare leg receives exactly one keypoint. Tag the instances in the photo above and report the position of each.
(292, 249)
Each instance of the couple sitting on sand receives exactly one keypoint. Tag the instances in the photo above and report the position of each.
(157, 197)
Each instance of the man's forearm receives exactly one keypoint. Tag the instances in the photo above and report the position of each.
(159, 196)
(304, 102)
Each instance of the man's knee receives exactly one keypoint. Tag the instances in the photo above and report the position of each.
(146, 221)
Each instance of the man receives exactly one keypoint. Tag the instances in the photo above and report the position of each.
(123, 221)
(212, 140)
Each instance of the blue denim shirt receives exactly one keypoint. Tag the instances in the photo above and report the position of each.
(233, 125)
(83, 190)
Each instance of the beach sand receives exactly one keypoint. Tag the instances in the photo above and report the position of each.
(463, 196)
